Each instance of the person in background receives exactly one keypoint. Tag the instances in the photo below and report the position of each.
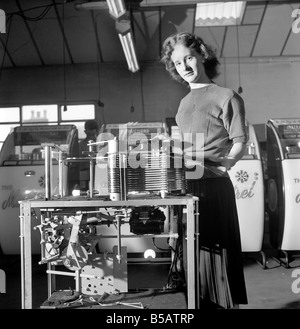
(91, 130)
(218, 114)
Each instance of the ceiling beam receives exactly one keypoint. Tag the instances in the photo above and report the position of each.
(258, 30)
(6, 52)
(223, 41)
(62, 28)
(30, 33)
(286, 40)
(5, 44)
(99, 52)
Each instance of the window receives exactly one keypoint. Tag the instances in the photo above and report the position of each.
(39, 114)
(81, 112)
(75, 114)
(10, 118)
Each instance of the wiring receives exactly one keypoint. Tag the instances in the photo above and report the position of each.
(46, 9)
(176, 277)
(240, 89)
(37, 18)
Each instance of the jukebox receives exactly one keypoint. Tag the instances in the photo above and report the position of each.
(22, 172)
(283, 159)
(248, 181)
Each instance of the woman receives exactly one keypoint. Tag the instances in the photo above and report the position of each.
(218, 114)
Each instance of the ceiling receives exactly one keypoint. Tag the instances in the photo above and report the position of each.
(54, 32)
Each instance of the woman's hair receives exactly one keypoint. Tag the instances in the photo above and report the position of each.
(91, 125)
(210, 60)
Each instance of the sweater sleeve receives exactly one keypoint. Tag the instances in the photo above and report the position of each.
(234, 118)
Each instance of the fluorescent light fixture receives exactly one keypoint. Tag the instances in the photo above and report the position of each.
(159, 3)
(116, 8)
(219, 13)
(2, 21)
(129, 51)
(94, 5)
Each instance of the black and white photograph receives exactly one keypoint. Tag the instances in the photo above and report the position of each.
(149, 157)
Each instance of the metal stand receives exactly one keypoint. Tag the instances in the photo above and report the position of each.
(287, 257)
(26, 206)
(263, 262)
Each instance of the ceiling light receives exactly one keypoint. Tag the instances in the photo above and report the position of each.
(94, 5)
(2, 21)
(219, 13)
(116, 8)
(158, 3)
(129, 51)
(123, 28)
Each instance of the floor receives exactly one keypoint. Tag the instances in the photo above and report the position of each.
(273, 287)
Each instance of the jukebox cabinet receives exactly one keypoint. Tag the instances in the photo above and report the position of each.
(283, 161)
(22, 175)
(248, 181)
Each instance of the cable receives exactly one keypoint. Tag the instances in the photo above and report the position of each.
(175, 275)
(37, 18)
(64, 59)
(240, 89)
(41, 15)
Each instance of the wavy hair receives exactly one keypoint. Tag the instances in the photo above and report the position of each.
(210, 60)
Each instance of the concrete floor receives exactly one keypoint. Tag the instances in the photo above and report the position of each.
(275, 287)
(272, 288)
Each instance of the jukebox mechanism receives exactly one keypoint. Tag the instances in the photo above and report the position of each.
(147, 220)
(69, 240)
(139, 172)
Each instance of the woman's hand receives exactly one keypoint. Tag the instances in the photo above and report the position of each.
(228, 162)
(192, 164)
(236, 153)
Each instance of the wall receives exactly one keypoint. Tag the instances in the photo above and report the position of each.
(270, 88)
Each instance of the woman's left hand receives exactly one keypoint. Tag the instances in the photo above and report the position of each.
(228, 162)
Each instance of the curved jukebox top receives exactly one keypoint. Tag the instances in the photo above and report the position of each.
(284, 136)
(22, 173)
(23, 144)
(283, 161)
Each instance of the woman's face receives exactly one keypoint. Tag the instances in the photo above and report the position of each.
(188, 64)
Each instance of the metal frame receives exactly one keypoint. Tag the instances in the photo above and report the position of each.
(189, 202)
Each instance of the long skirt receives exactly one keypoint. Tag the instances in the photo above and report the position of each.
(222, 279)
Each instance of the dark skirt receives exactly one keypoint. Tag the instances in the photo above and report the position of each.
(221, 264)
